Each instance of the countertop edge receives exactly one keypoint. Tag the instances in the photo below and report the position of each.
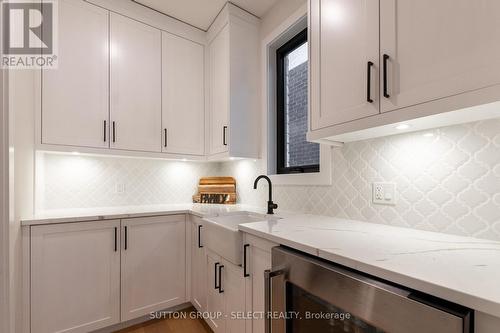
(467, 300)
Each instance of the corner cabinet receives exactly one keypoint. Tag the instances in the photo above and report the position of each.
(183, 106)
(233, 85)
(376, 63)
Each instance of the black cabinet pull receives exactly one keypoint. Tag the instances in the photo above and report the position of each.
(116, 239)
(245, 247)
(220, 279)
(126, 238)
(369, 82)
(105, 122)
(114, 131)
(215, 275)
(386, 58)
(165, 142)
(199, 236)
(224, 131)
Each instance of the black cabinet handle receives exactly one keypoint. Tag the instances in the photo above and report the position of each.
(224, 133)
(114, 131)
(105, 122)
(245, 247)
(369, 82)
(199, 236)
(126, 237)
(215, 275)
(116, 239)
(165, 132)
(220, 279)
(386, 58)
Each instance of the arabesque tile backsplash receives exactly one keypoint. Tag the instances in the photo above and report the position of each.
(447, 179)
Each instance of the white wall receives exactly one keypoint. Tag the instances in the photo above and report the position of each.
(4, 204)
(277, 14)
(66, 181)
(449, 182)
(21, 108)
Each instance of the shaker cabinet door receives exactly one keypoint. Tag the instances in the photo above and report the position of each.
(344, 37)
(153, 265)
(75, 94)
(215, 298)
(183, 104)
(198, 266)
(135, 85)
(437, 48)
(75, 276)
(218, 53)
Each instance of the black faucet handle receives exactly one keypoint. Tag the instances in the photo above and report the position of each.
(271, 206)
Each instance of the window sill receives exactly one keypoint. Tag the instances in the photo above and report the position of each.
(322, 178)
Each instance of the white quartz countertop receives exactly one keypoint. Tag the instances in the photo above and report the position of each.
(463, 270)
(112, 213)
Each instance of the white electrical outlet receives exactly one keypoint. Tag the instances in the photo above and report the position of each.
(384, 193)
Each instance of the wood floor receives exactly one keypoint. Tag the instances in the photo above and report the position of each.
(171, 325)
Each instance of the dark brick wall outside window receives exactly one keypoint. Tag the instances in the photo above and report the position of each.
(299, 151)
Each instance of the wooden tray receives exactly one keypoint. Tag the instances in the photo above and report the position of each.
(216, 190)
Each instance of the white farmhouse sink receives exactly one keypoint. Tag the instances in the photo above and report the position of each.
(221, 235)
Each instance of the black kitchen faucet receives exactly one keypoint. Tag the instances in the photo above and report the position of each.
(271, 206)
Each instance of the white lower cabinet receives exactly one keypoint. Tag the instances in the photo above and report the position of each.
(215, 299)
(226, 295)
(75, 276)
(234, 285)
(198, 266)
(77, 270)
(153, 259)
(259, 260)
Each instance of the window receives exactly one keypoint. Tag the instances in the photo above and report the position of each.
(294, 153)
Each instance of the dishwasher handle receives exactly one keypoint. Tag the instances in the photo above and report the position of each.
(270, 306)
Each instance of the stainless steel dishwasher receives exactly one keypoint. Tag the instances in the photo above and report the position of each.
(305, 294)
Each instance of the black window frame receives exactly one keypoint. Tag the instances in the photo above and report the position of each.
(281, 54)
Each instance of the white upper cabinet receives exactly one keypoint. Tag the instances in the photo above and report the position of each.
(75, 95)
(345, 46)
(126, 86)
(219, 91)
(183, 86)
(75, 276)
(438, 48)
(234, 85)
(135, 80)
(435, 57)
(153, 259)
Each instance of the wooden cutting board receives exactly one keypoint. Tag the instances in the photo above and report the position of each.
(216, 190)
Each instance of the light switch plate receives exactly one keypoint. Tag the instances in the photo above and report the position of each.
(384, 193)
